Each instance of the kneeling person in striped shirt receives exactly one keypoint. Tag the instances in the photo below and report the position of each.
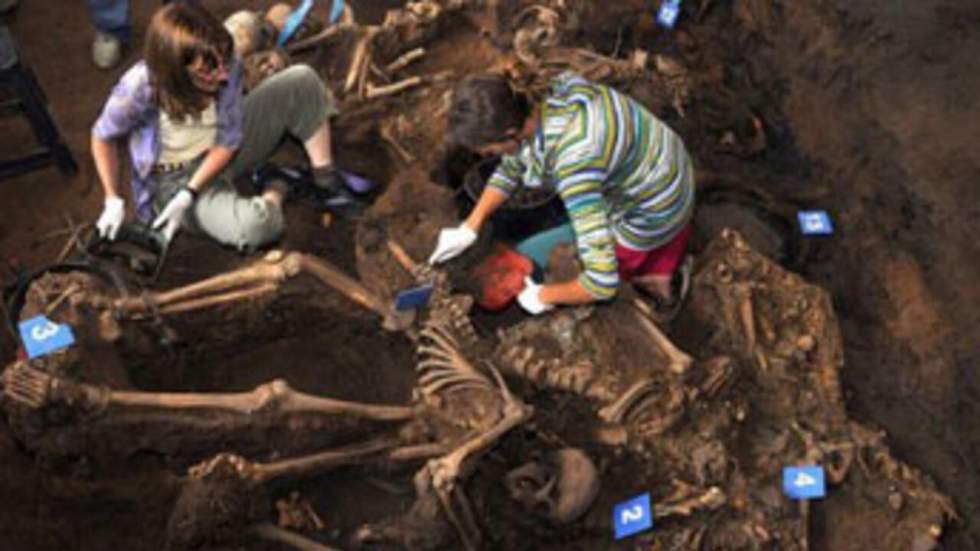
(624, 176)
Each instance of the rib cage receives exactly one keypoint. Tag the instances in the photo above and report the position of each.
(442, 367)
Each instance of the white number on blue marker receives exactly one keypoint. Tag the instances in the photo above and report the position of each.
(632, 514)
(803, 479)
(42, 336)
(44, 332)
(805, 482)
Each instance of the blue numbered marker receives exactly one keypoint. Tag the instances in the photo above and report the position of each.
(669, 11)
(632, 517)
(42, 336)
(815, 222)
(804, 482)
(414, 298)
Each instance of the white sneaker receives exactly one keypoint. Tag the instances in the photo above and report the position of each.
(106, 51)
(6, 5)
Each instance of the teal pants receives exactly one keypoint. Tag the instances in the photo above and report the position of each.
(538, 247)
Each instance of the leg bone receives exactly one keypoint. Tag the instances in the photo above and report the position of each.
(679, 360)
(34, 388)
(272, 270)
(263, 277)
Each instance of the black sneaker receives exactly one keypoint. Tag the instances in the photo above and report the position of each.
(268, 174)
(333, 193)
(325, 188)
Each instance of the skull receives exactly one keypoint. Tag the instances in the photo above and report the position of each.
(249, 31)
(560, 487)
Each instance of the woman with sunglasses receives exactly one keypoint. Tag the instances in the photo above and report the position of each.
(191, 133)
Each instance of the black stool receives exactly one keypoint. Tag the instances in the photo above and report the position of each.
(28, 99)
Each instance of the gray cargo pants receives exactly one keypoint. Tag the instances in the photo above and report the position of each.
(294, 101)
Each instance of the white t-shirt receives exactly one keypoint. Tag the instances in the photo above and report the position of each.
(185, 140)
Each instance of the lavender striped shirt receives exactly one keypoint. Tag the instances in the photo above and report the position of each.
(131, 111)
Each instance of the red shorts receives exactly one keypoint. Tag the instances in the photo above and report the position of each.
(660, 261)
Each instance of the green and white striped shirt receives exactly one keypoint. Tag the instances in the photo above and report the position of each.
(622, 173)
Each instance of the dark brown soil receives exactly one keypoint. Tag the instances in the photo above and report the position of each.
(869, 113)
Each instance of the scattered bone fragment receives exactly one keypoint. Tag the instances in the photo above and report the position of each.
(361, 59)
(277, 15)
(687, 499)
(405, 60)
(373, 92)
(297, 512)
(387, 132)
(274, 533)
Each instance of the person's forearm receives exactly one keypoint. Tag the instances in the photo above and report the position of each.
(569, 292)
(490, 200)
(106, 156)
(214, 162)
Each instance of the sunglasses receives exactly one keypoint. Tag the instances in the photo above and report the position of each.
(211, 66)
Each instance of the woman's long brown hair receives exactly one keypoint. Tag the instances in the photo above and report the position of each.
(181, 34)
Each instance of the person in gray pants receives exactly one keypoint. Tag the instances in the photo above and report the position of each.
(192, 132)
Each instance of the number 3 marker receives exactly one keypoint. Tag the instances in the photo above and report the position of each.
(42, 336)
(45, 332)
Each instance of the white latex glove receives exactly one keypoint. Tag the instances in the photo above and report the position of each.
(452, 243)
(111, 219)
(530, 298)
(173, 214)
